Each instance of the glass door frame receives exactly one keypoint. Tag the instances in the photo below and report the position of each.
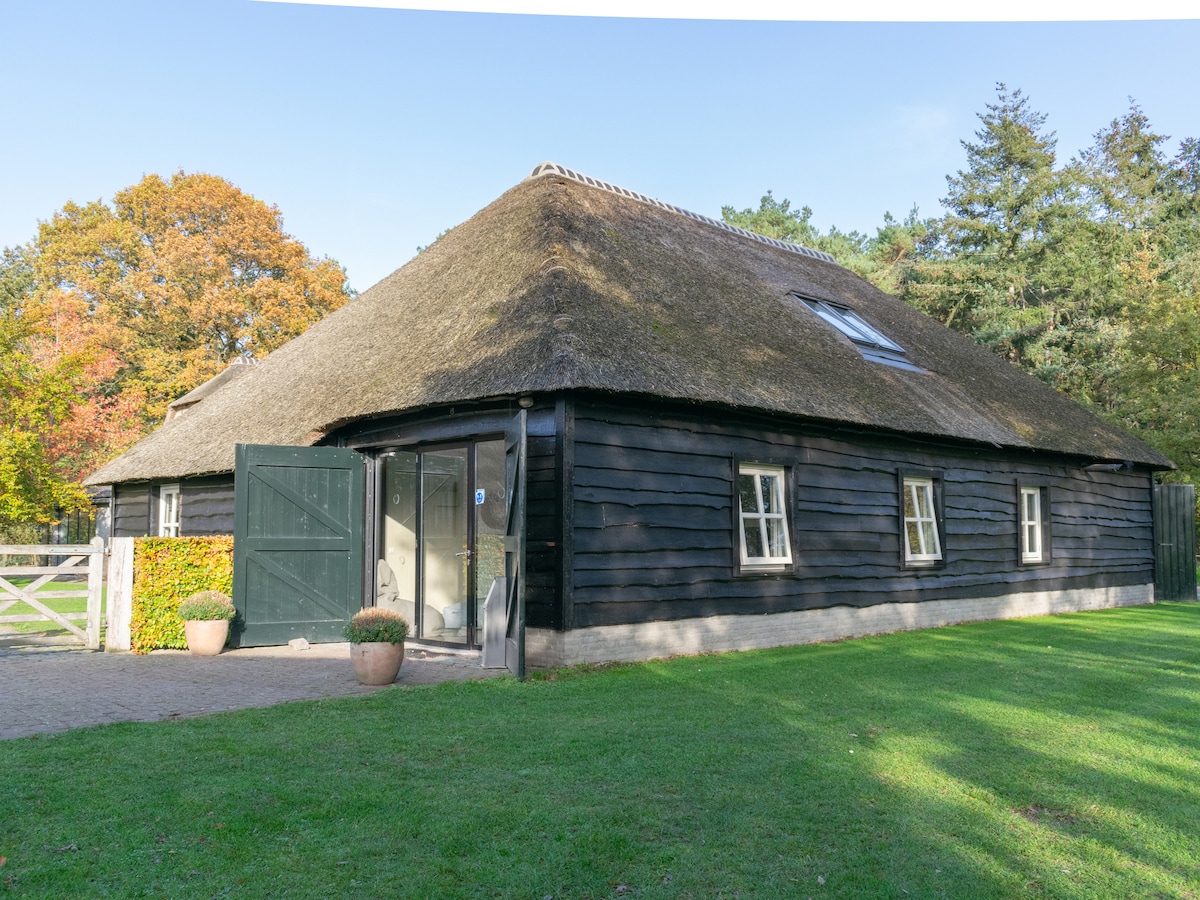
(474, 602)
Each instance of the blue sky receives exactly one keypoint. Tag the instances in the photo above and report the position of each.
(375, 129)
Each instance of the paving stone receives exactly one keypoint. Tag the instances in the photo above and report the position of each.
(50, 685)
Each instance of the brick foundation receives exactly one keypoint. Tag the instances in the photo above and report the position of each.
(545, 648)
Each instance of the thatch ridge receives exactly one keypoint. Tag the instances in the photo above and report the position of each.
(238, 368)
(558, 285)
(550, 168)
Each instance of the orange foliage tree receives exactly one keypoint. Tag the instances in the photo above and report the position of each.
(113, 311)
(180, 276)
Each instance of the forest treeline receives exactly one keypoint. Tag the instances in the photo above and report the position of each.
(1084, 273)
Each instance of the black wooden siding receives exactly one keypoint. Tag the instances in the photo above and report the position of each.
(131, 510)
(206, 507)
(542, 528)
(654, 528)
(630, 515)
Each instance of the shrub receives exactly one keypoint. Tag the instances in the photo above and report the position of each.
(206, 606)
(376, 624)
(165, 571)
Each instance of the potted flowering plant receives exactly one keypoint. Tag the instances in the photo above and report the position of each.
(376, 637)
(206, 616)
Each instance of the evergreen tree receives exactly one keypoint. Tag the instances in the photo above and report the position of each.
(880, 259)
(1086, 275)
(991, 266)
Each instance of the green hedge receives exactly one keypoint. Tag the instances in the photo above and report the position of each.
(166, 571)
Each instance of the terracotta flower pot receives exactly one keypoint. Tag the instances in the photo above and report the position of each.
(376, 662)
(206, 637)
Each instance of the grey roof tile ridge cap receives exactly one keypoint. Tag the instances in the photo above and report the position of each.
(550, 168)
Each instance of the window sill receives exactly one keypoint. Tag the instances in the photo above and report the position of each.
(759, 569)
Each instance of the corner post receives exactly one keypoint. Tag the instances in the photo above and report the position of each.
(120, 595)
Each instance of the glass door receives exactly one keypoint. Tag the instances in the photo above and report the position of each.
(445, 547)
(490, 507)
(396, 575)
(441, 538)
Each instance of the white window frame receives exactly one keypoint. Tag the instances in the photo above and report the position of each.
(759, 517)
(1033, 517)
(170, 502)
(852, 325)
(923, 517)
(872, 343)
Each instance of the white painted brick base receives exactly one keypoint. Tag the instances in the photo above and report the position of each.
(545, 648)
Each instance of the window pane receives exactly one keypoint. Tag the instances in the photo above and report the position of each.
(754, 544)
(396, 573)
(769, 485)
(912, 539)
(850, 324)
(749, 498)
(168, 511)
(929, 534)
(923, 498)
(872, 335)
(776, 538)
(1031, 524)
(921, 538)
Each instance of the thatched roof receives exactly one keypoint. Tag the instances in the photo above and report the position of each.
(241, 366)
(561, 284)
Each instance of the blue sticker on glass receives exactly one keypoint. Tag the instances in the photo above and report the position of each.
(480, 497)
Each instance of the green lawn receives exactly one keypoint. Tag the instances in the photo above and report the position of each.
(1054, 757)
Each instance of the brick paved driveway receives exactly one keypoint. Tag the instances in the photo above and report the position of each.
(49, 685)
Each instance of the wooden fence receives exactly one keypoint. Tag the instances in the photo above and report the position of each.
(1175, 534)
(69, 562)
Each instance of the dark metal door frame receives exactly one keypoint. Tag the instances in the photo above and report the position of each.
(474, 601)
(515, 454)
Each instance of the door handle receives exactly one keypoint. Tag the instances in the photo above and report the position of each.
(466, 553)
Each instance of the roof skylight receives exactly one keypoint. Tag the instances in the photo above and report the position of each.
(872, 343)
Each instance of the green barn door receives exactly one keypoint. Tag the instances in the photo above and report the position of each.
(298, 543)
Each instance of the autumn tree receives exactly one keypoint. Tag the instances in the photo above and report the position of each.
(33, 399)
(180, 276)
(113, 311)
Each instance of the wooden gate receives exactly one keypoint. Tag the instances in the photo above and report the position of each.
(1175, 536)
(70, 561)
(297, 543)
